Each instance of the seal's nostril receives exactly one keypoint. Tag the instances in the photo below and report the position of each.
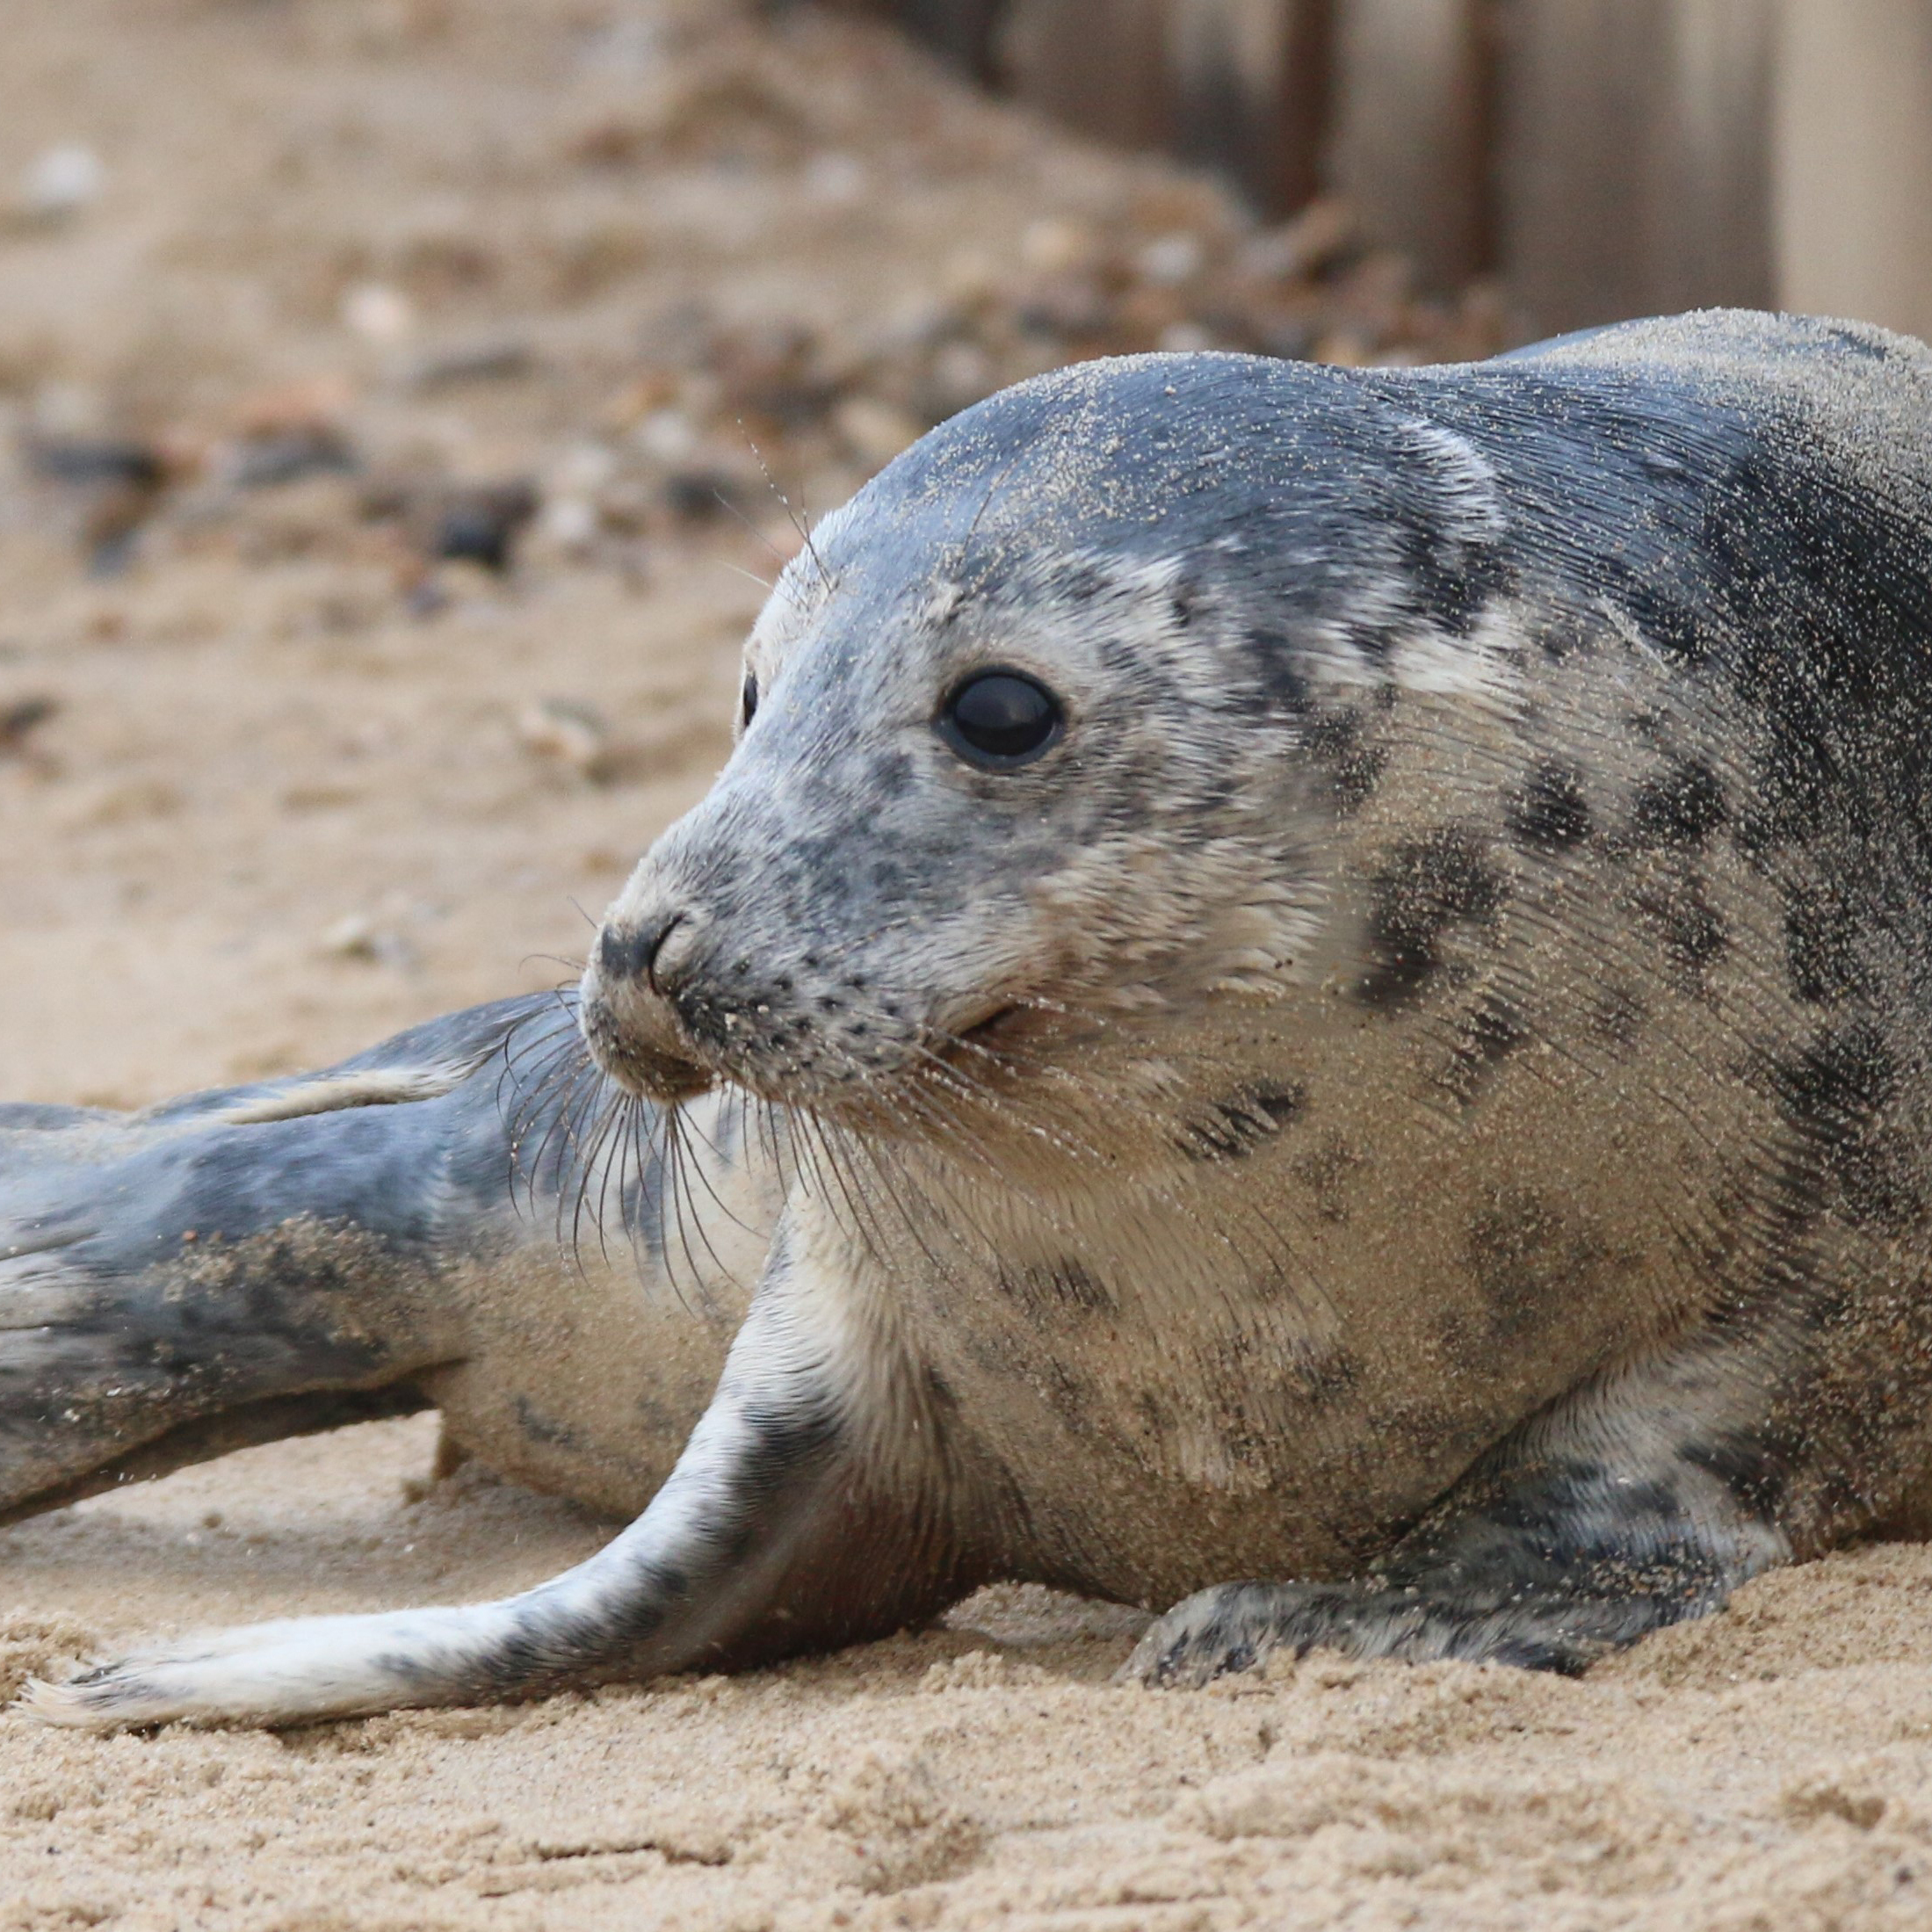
(631, 953)
(617, 953)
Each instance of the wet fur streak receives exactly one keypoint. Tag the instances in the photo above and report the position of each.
(1418, 1093)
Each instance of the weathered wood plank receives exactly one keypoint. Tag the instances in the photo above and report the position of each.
(1852, 172)
(1239, 85)
(965, 31)
(1252, 87)
(1102, 67)
(1412, 126)
(1632, 157)
(1606, 157)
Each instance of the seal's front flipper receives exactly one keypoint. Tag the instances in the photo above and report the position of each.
(794, 1520)
(1632, 1505)
(242, 1264)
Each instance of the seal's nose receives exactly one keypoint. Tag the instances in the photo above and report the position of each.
(637, 952)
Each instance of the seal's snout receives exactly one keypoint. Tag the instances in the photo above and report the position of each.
(629, 1013)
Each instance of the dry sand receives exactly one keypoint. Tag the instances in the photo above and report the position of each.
(299, 790)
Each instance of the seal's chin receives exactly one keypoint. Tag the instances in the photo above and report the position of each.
(636, 1040)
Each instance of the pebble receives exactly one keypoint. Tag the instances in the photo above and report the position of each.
(481, 525)
(60, 181)
(1169, 260)
(570, 732)
(378, 313)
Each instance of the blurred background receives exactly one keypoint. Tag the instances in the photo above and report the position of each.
(1598, 159)
(404, 404)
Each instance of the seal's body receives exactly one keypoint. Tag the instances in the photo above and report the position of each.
(1324, 974)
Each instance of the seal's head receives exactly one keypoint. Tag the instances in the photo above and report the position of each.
(1025, 743)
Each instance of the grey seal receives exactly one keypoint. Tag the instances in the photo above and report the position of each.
(1298, 974)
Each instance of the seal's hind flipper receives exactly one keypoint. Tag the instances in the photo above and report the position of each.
(242, 1264)
(1636, 1502)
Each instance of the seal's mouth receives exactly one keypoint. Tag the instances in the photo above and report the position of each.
(979, 1047)
(641, 1050)
(999, 1022)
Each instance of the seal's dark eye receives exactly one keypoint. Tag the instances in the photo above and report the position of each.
(748, 698)
(1000, 719)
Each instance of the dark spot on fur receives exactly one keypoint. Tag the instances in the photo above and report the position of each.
(1373, 643)
(1235, 1126)
(1487, 1036)
(1528, 1259)
(1680, 807)
(1691, 930)
(1820, 943)
(1562, 634)
(1452, 579)
(1843, 1076)
(1326, 1168)
(1278, 670)
(1078, 582)
(1883, 1180)
(1156, 1421)
(1666, 616)
(1329, 1375)
(1455, 583)
(1044, 1293)
(1451, 600)
(1070, 1397)
(544, 1429)
(1615, 1014)
(1429, 884)
(1833, 1092)
(1695, 934)
(1548, 812)
(1350, 762)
